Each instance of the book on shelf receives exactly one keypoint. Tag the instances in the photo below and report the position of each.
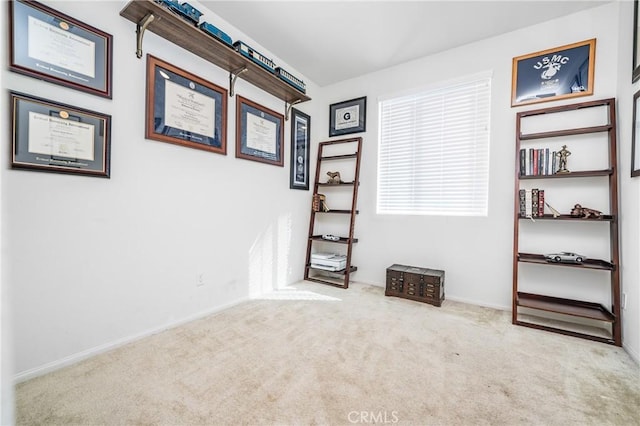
(537, 162)
(531, 203)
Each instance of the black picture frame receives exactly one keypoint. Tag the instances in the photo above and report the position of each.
(57, 48)
(197, 108)
(348, 117)
(55, 137)
(635, 137)
(636, 44)
(553, 74)
(259, 133)
(300, 147)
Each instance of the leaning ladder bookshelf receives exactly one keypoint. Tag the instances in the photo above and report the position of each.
(568, 309)
(349, 160)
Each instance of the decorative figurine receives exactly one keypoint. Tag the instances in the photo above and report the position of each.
(319, 203)
(555, 212)
(585, 212)
(562, 163)
(334, 178)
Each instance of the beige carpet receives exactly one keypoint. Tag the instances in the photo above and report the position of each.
(315, 354)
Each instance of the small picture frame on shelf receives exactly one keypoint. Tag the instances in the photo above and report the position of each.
(553, 74)
(184, 109)
(259, 133)
(55, 137)
(348, 117)
(635, 136)
(57, 48)
(300, 141)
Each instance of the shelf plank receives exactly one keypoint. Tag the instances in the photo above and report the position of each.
(340, 211)
(587, 264)
(580, 174)
(342, 240)
(567, 331)
(571, 307)
(564, 217)
(337, 184)
(565, 132)
(336, 273)
(186, 35)
(339, 157)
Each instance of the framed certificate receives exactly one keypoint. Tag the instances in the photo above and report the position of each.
(636, 43)
(635, 137)
(559, 73)
(300, 141)
(51, 46)
(348, 117)
(259, 133)
(185, 109)
(55, 137)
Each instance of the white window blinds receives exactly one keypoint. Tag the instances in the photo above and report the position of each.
(433, 153)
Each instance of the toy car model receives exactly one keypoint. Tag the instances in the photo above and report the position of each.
(330, 237)
(565, 257)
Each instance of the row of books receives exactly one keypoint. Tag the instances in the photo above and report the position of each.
(531, 202)
(537, 161)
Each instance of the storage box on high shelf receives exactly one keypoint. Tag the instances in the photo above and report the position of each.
(419, 284)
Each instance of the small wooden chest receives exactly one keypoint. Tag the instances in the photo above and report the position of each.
(420, 284)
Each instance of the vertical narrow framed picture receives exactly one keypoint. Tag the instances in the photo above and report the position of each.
(635, 137)
(300, 147)
(57, 48)
(636, 44)
(185, 109)
(54, 137)
(348, 117)
(259, 133)
(553, 74)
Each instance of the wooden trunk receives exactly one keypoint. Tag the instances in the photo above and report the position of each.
(414, 283)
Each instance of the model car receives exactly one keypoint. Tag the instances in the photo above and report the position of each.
(330, 237)
(565, 257)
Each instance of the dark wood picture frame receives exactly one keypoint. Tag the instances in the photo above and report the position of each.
(554, 74)
(184, 109)
(57, 48)
(635, 136)
(300, 149)
(55, 137)
(636, 43)
(259, 133)
(348, 117)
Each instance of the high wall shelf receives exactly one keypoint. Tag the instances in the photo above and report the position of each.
(343, 161)
(151, 16)
(527, 305)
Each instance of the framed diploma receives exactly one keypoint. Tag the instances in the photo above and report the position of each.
(635, 137)
(636, 43)
(300, 141)
(259, 133)
(559, 73)
(54, 47)
(54, 137)
(185, 109)
(348, 117)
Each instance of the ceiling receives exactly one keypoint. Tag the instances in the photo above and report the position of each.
(332, 41)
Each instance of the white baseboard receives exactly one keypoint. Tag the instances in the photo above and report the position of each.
(633, 354)
(72, 359)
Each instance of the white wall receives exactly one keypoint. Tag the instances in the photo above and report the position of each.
(476, 253)
(94, 262)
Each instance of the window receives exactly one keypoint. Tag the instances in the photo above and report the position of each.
(433, 153)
